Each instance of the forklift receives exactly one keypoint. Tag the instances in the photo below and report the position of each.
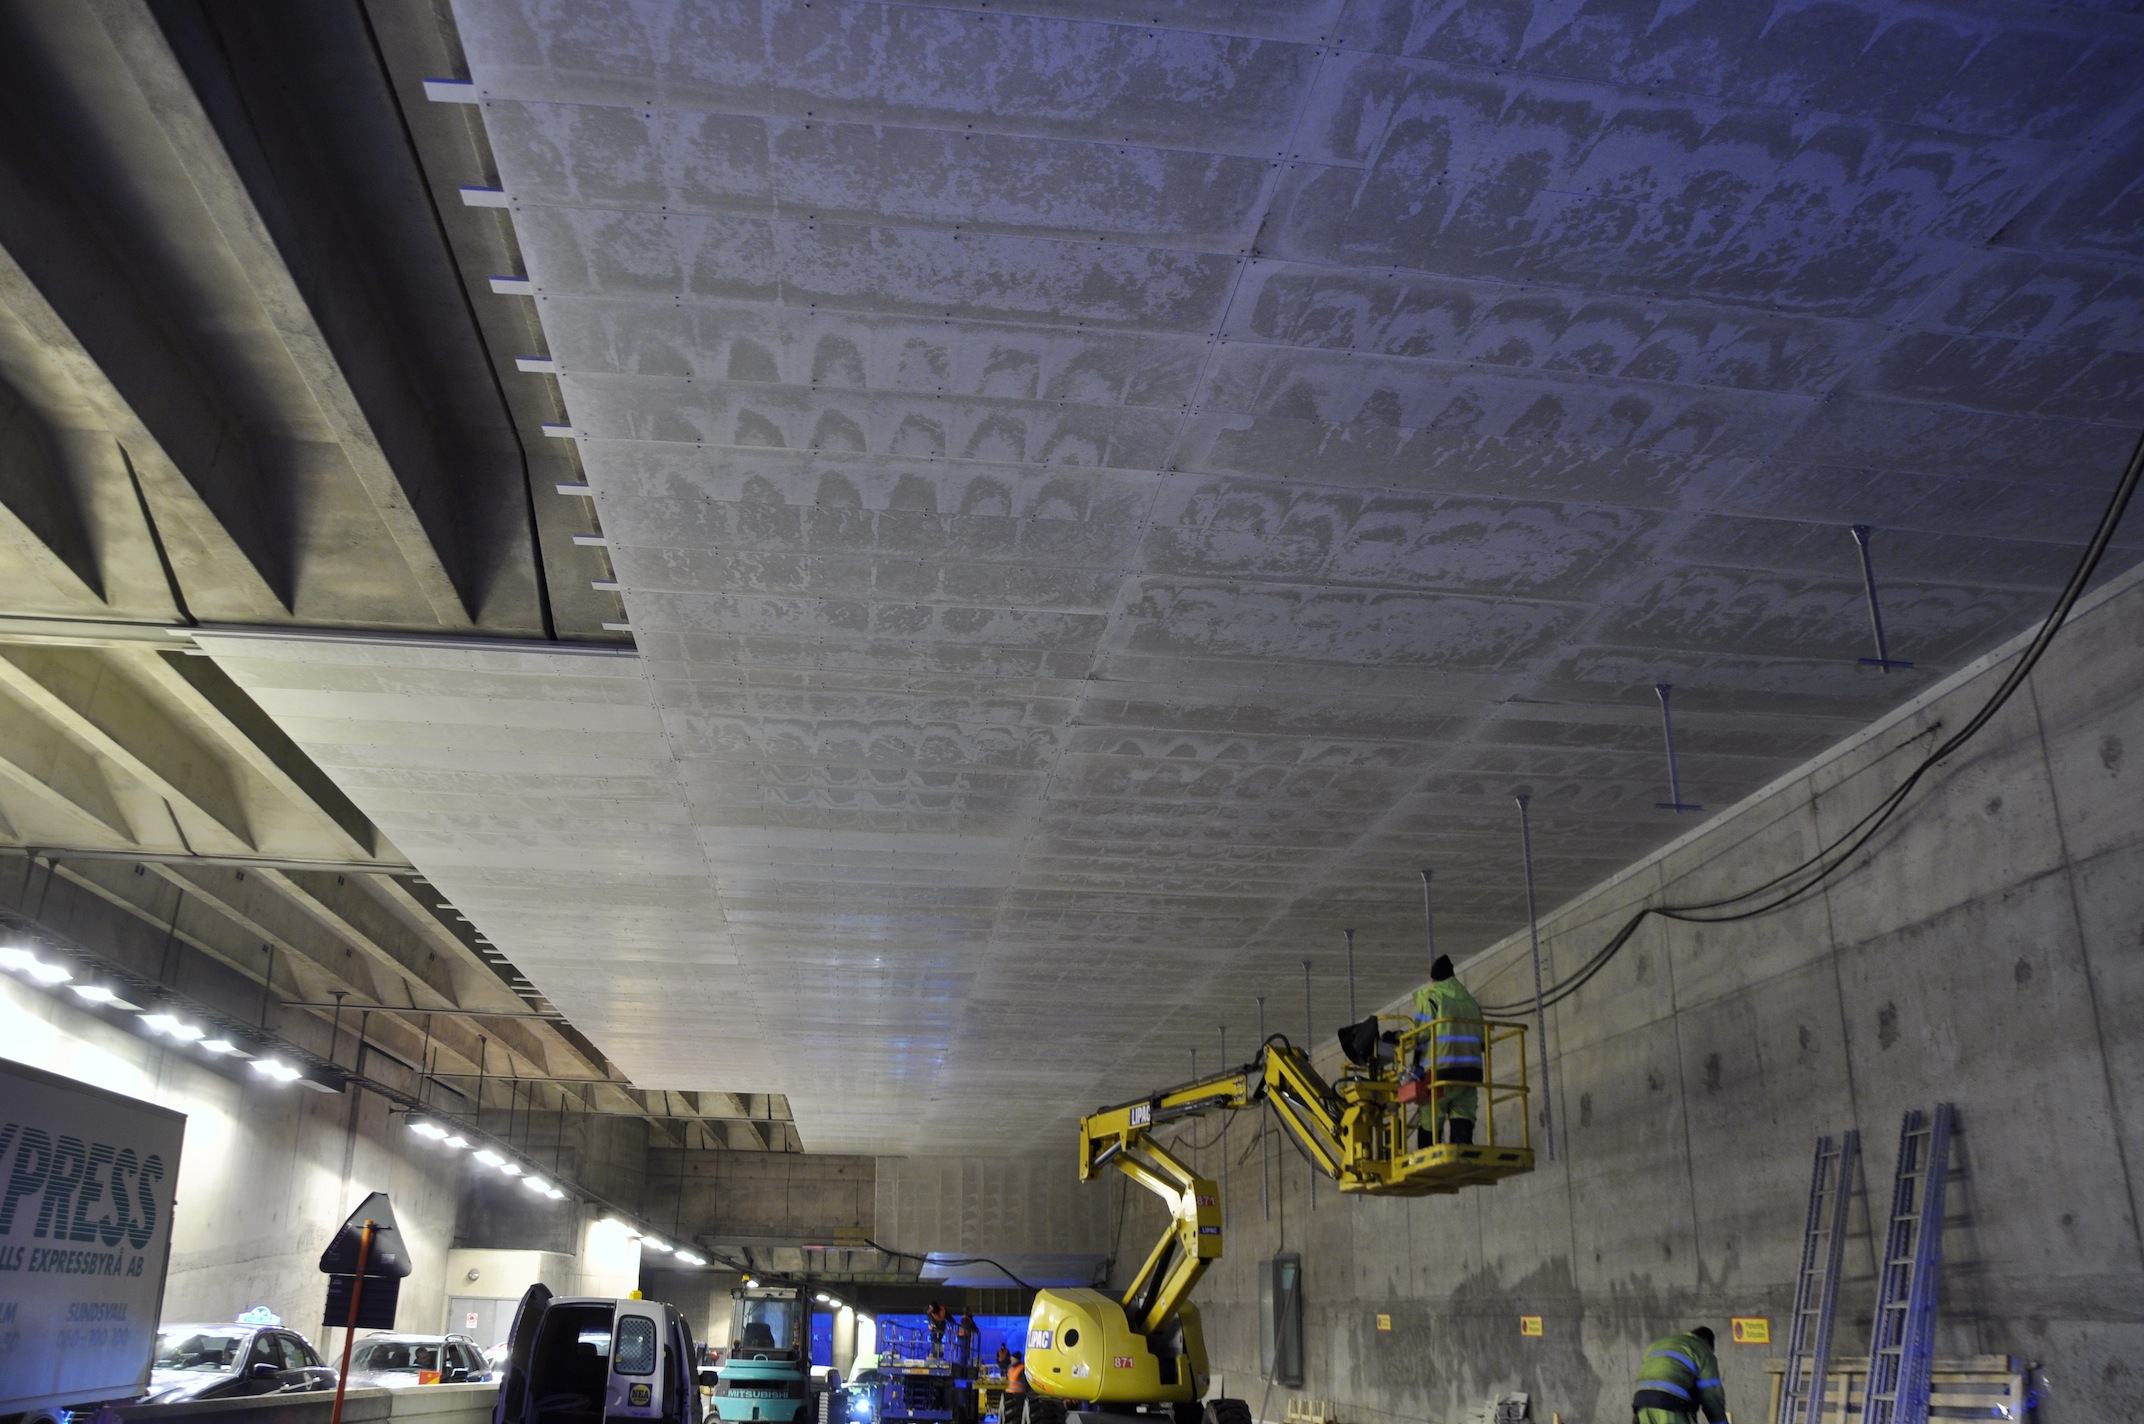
(766, 1373)
(1144, 1352)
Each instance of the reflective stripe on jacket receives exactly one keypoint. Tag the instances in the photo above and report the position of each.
(1458, 1045)
(1680, 1373)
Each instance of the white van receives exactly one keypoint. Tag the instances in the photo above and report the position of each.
(586, 1360)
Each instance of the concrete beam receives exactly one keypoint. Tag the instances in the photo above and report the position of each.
(207, 165)
(57, 772)
(200, 687)
(87, 697)
(40, 514)
(358, 920)
(194, 468)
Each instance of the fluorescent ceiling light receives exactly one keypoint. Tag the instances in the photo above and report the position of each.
(455, 1140)
(165, 1023)
(15, 957)
(509, 1169)
(554, 1194)
(536, 1184)
(489, 1158)
(219, 1045)
(45, 973)
(95, 993)
(652, 1244)
(275, 1068)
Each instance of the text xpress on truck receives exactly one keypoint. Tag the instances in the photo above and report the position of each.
(85, 1234)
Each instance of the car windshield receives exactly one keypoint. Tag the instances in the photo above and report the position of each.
(209, 1351)
(397, 1355)
(766, 1324)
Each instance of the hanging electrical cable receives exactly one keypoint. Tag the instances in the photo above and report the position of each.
(936, 1260)
(1801, 880)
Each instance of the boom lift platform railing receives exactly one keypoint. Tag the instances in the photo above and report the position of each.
(1146, 1349)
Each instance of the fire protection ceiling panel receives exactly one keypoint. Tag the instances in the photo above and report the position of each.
(1103, 502)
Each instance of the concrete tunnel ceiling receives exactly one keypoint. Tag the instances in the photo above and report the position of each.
(1102, 501)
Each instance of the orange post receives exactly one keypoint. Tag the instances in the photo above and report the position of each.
(349, 1329)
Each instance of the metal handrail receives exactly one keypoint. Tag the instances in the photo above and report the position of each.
(1495, 1092)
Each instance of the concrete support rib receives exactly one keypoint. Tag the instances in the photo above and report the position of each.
(90, 702)
(232, 918)
(227, 565)
(358, 920)
(250, 737)
(56, 772)
(41, 516)
(208, 168)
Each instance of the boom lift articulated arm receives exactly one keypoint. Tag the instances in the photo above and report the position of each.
(1122, 1137)
(1146, 1348)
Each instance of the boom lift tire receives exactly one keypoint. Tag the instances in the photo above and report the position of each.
(1041, 1409)
(1227, 1411)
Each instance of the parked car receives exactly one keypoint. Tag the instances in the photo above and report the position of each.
(394, 1361)
(231, 1361)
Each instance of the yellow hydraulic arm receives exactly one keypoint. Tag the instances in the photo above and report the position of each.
(1148, 1349)
(1353, 1132)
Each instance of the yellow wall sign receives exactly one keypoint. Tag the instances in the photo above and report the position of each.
(1752, 1330)
(1529, 1325)
(1384, 1322)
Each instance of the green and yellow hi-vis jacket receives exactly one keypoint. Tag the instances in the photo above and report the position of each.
(1458, 1044)
(1681, 1375)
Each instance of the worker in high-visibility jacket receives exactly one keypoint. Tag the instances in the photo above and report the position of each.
(1455, 1054)
(1680, 1376)
(1013, 1408)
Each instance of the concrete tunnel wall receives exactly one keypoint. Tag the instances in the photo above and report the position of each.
(268, 1173)
(1989, 951)
(266, 1176)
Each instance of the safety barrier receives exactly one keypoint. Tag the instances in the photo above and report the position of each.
(423, 1404)
(1495, 1089)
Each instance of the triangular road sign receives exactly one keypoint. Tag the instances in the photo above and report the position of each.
(388, 1256)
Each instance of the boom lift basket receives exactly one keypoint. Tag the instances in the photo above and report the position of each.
(1503, 1136)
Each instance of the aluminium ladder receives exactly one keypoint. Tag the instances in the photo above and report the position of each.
(1816, 1289)
(1902, 1338)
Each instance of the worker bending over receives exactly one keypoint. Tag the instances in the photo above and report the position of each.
(1455, 1054)
(1680, 1376)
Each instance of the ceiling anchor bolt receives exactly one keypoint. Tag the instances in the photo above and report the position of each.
(1883, 661)
(1674, 802)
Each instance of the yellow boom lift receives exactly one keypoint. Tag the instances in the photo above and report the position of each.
(1145, 1353)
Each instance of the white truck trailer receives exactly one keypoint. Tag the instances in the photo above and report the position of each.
(86, 1181)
